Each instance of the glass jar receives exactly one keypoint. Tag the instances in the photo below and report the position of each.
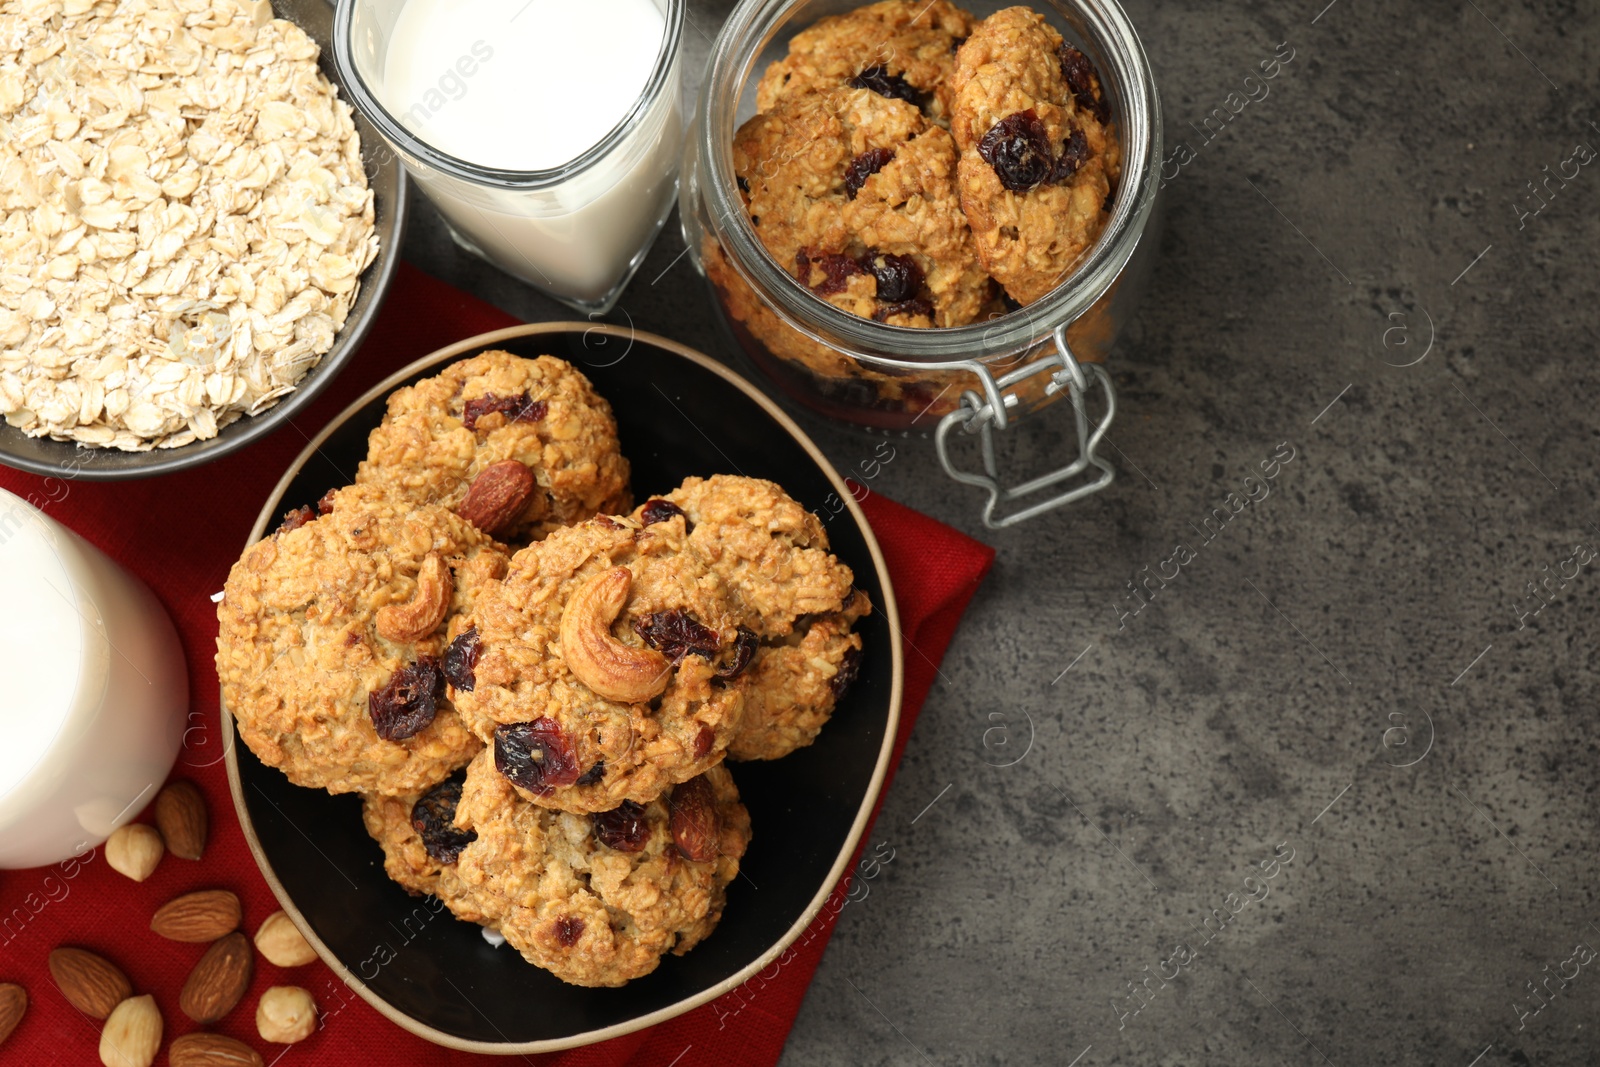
(976, 379)
(577, 231)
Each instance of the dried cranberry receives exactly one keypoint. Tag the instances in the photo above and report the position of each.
(837, 270)
(293, 520)
(677, 634)
(568, 930)
(325, 505)
(880, 81)
(519, 408)
(1080, 77)
(849, 667)
(624, 828)
(899, 277)
(915, 306)
(1076, 68)
(703, 740)
(744, 650)
(1074, 154)
(406, 705)
(658, 510)
(1018, 148)
(461, 660)
(433, 817)
(863, 167)
(535, 755)
(593, 775)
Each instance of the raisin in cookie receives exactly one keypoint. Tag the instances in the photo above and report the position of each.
(1038, 154)
(598, 899)
(795, 603)
(592, 671)
(855, 195)
(547, 439)
(421, 843)
(330, 637)
(903, 49)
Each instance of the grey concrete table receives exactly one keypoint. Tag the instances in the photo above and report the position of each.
(1332, 794)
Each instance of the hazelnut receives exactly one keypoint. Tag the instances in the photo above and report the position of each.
(286, 1014)
(134, 850)
(280, 941)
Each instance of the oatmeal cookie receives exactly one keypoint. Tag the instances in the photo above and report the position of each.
(330, 633)
(903, 49)
(421, 843)
(793, 598)
(793, 683)
(855, 195)
(1038, 154)
(769, 550)
(443, 432)
(598, 899)
(592, 670)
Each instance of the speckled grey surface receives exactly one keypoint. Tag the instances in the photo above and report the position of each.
(1368, 213)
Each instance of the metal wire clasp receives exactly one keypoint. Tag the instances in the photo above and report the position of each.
(985, 413)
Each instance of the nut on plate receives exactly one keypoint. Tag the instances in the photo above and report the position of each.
(134, 850)
(182, 818)
(132, 1033)
(281, 943)
(286, 1014)
(219, 980)
(612, 669)
(91, 983)
(211, 1050)
(408, 623)
(13, 1005)
(497, 495)
(196, 917)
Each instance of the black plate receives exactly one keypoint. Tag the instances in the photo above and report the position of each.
(387, 179)
(680, 415)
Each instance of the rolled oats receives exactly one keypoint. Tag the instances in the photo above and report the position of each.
(184, 218)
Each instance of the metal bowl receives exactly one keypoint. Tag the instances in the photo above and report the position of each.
(386, 177)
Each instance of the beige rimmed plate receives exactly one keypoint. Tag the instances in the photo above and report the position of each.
(680, 414)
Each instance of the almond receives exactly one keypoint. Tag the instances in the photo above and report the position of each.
(696, 825)
(497, 495)
(182, 819)
(92, 984)
(132, 1033)
(218, 981)
(134, 850)
(211, 1050)
(280, 941)
(202, 916)
(286, 1014)
(13, 1005)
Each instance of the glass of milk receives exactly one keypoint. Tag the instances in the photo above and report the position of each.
(546, 132)
(96, 691)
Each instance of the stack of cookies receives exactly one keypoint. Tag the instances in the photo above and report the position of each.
(920, 167)
(533, 687)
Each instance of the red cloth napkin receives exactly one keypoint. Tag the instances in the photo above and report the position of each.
(180, 534)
